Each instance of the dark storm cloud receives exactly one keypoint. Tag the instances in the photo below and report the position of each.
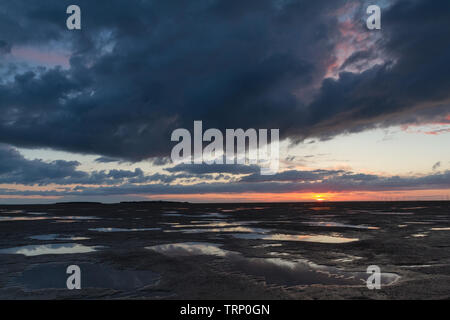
(142, 69)
(16, 169)
(200, 169)
(181, 177)
(411, 87)
(138, 71)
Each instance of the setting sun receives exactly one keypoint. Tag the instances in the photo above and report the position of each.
(319, 197)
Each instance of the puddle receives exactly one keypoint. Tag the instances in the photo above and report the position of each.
(347, 259)
(440, 229)
(423, 266)
(169, 223)
(206, 215)
(60, 248)
(123, 230)
(221, 230)
(189, 248)
(419, 235)
(235, 209)
(23, 218)
(320, 208)
(358, 211)
(277, 271)
(214, 227)
(294, 237)
(392, 213)
(252, 233)
(210, 215)
(67, 218)
(418, 222)
(77, 218)
(214, 224)
(57, 237)
(269, 245)
(276, 254)
(338, 225)
(12, 211)
(323, 216)
(54, 276)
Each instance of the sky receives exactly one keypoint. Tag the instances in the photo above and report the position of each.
(87, 115)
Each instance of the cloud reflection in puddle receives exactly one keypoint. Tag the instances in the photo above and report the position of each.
(45, 237)
(60, 248)
(279, 271)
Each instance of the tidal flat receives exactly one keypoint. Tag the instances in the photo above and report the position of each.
(170, 250)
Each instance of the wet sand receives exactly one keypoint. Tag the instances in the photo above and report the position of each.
(163, 250)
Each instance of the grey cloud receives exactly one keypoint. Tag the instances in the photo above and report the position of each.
(106, 160)
(16, 169)
(215, 168)
(331, 181)
(4, 47)
(437, 165)
(291, 175)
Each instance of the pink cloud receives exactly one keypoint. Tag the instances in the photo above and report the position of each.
(40, 56)
(437, 132)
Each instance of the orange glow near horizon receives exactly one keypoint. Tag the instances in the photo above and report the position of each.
(410, 195)
(407, 195)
